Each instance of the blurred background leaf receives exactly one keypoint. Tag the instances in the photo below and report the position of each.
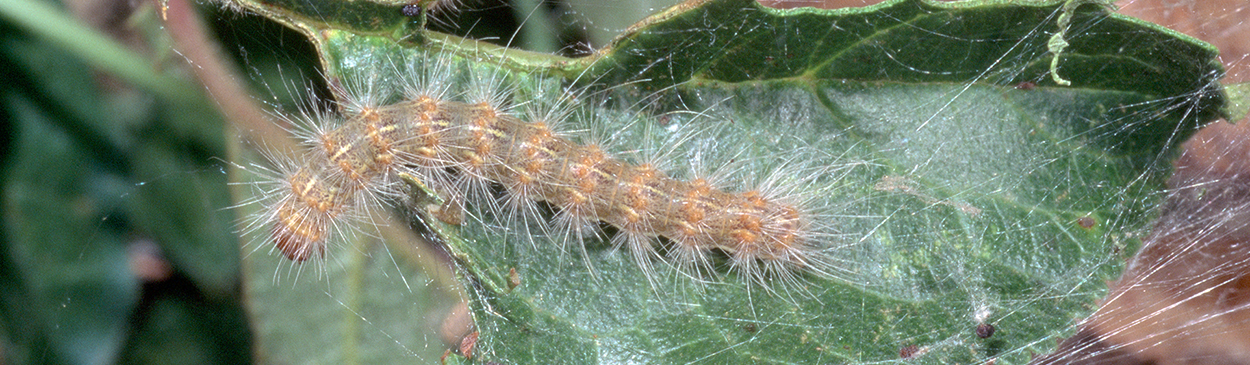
(117, 246)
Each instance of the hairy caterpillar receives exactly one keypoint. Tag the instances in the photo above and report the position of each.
(466, 134)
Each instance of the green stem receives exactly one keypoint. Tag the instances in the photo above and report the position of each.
(45, 20)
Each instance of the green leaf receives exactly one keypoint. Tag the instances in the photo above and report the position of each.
(194, 229)
(94, 176)
(1238, 101)
(68, 289)
(970, 186)
(367, 304)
